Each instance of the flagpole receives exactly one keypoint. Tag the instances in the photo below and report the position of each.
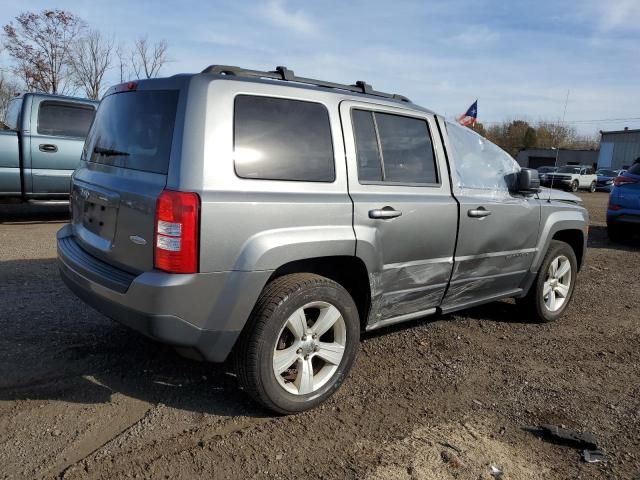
(555, 163)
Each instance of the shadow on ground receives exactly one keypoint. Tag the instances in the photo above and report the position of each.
(54, 347)
(26, 213)
(599, 238)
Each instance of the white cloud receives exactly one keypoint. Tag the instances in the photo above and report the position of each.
(297, 21)
(616, 14)
(474, 36)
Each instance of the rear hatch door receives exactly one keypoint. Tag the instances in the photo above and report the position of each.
(126, 161)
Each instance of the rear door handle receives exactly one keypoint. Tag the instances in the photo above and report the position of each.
(479, 212)
(384, 213)
(48, 147)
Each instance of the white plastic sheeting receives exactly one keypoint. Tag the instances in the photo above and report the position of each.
(478, 164)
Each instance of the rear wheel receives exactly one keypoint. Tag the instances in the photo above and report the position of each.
(300, 343)
(592, 187)
(551, 293)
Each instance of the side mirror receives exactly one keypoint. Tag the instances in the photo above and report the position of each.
(528, 181)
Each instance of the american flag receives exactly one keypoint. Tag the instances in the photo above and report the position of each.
(470, 117)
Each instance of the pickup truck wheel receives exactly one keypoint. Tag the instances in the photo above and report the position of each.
(553, 288)
(574, 186)
(592, 187)
(299, 344)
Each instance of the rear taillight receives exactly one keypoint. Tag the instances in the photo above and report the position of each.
(177, 230)
(614, 207)
(622, 180)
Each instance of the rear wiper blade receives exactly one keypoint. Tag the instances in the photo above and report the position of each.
(109, 151)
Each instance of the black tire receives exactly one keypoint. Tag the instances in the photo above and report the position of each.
(615, 232)
(255, 351)
(574, 186)
(534, 304)
(592, 187)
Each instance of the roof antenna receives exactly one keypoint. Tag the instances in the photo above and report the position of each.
(555, 163)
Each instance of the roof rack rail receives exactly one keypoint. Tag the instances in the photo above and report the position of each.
(283, 73)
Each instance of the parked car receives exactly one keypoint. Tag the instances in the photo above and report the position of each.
(217, 212)
(544, 171)
(605, 179)
(572, 178)
(623, 212)
(40, 145)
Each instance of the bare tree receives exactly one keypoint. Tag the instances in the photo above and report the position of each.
(514, 135)
(121, 53)
(40, 45)
(91, 57)
(148, 59)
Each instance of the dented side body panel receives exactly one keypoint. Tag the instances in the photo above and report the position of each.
(408, 258)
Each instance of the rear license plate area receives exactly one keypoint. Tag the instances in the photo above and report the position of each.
(99, 219)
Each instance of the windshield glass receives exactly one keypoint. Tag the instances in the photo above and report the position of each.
(606, 173)
(134, 130)
(569, 169)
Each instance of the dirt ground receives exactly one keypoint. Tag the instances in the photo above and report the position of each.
(442, 398)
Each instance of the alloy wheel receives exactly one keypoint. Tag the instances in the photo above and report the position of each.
(309, 348)
(557, 284)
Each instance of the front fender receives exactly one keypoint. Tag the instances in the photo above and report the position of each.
(571, 218)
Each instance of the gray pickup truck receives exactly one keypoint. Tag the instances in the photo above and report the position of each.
(40, 145)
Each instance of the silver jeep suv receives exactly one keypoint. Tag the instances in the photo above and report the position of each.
(272, 218)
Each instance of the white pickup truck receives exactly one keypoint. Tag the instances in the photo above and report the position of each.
(572, 178)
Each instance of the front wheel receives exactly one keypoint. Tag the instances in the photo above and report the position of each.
(299, 344)
(574, 186)
(552, 290)
(592, 187)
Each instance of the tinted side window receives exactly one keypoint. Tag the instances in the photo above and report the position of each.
(282, 139)
(64, 119)
(12, 116)
(407, 152)
(478, 163)
(368, 155)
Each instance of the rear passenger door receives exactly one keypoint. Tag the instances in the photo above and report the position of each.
(57, 138)
(405, 218)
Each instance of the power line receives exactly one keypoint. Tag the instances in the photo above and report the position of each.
(601, 120)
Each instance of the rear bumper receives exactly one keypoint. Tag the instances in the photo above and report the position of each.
(624, 216)
(204, 312)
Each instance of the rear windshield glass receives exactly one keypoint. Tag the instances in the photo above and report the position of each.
(635, 169)
(12, 115)
(134, 130)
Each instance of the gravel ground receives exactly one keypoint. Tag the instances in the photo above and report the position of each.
(441, 398)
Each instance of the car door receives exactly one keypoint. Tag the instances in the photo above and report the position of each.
(498, 230)
(404, 216)
(57, 138)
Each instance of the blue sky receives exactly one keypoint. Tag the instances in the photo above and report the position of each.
(518, 58)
